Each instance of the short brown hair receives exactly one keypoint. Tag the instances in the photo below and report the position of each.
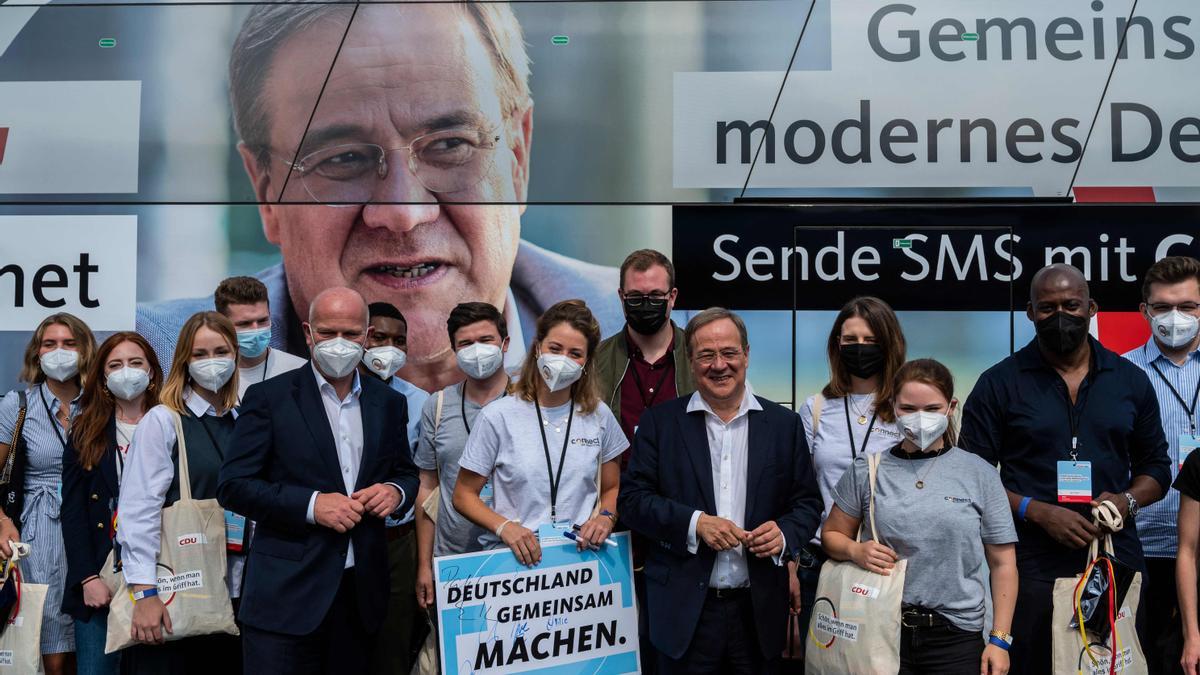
(574, 313)
(711, 315)
(934, 374)
(1170, 270)
(888, 335)
(645, 258)
(268, 26)
(467, 313)
(31, 366)
(239, 291)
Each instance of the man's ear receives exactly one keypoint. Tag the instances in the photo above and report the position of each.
(1029, 311)
(520, 143)
(504, 345)
(260, 180)
(1093, 308)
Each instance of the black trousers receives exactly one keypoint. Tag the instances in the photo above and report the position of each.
(395, 646)
(341, 644)
(939, 649)
(203, 655)
(1162, 639)
(725, 643)
(1031, 650)
(808, 571)
(646, 651)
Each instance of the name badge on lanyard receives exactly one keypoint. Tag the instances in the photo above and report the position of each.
(553, 533)
(235, 531)
(1074, 482)
(488, 494)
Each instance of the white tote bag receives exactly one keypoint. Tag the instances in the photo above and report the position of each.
(855, 625)
(21, 643)
(191, 569)
(1071, 655)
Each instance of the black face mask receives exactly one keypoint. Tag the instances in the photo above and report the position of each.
(1062, 333)
(862, 360)
(645, 318)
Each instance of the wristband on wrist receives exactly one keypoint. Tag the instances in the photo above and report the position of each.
(146, 593)
(500, 527)
(1023, 507)
(610, 514)
(91, 578)
(993, 640)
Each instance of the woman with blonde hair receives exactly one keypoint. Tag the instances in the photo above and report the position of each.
(544, 446)
(122, 384)
(56, 360)
(202, 389)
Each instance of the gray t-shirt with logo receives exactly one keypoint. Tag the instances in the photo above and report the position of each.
(506, 444)
(439, 449)
(940, 529)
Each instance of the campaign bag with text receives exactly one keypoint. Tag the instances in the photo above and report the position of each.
(1094, 612)
(21, 639)
(191, 569)
(855, 625)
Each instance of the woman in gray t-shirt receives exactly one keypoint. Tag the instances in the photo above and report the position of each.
(945, 511)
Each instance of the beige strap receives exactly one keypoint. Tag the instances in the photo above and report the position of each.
(873, 474)
(1108, 518)
(437, 411)
(818, 403)
(185, 477)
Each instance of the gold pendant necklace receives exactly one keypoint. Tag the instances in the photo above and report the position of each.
(920, 479)
(862, 416)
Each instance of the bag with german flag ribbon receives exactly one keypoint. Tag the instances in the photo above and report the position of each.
(1094, 612)
(21, 605)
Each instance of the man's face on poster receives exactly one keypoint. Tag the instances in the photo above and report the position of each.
(405, 73)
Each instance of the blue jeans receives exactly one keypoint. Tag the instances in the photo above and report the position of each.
(89, 647)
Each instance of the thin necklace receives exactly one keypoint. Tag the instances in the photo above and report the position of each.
(920, 479)
(862, 415)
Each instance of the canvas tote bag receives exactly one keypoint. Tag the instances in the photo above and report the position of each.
(855, 625)
(1071, 654)
(191, 569)
(21, 642)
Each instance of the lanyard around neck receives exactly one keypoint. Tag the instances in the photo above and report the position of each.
(554, 480)
(53, 418)
(850, 429)
(1190, 410)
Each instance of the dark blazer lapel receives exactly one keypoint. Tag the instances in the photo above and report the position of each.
(758, 454)
(108, 463)
(371, 403)
(308, 399)
(695, 438)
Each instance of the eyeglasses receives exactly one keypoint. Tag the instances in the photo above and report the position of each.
(655, 299)
(707, 357)
(1183, 307)
(444, 162)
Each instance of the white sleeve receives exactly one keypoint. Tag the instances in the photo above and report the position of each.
(483, 445)
(148, 473)
(806, 418)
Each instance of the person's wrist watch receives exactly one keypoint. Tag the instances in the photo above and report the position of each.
(1133, 506)
(144, 593)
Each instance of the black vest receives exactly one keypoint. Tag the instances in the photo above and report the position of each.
(207, 438)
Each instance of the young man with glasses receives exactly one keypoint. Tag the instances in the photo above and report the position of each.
(1171, 305)
(637, 369)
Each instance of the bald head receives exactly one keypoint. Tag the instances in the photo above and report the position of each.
(340, 303)
(1056, 278)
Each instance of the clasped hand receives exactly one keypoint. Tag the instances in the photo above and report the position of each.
(341, 513)
(721, 534)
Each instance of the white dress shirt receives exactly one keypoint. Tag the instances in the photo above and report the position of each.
(149, 470)
(728, 450)
(345, 421)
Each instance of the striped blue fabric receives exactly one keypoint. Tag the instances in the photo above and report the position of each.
(47, 563)
(1156, 523)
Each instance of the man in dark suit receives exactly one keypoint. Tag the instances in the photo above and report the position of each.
(722, 481)
(320, 457)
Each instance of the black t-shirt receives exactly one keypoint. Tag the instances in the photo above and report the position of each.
(1188, 480)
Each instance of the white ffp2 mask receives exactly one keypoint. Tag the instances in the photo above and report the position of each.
(923, 428)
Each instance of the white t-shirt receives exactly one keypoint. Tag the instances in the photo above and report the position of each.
(831, 447)
(276, 363)
(124, 439)
(506, 445)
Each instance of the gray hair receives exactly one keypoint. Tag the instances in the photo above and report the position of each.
(709, 316)
(268, 26)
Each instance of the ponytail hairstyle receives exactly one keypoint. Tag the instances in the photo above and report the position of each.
(934, 374)
(574, 313)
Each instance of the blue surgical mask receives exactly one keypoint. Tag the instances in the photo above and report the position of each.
(252, 343)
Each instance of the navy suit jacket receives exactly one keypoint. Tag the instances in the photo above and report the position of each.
(88, 500)
(670, 476)
(283, 450)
